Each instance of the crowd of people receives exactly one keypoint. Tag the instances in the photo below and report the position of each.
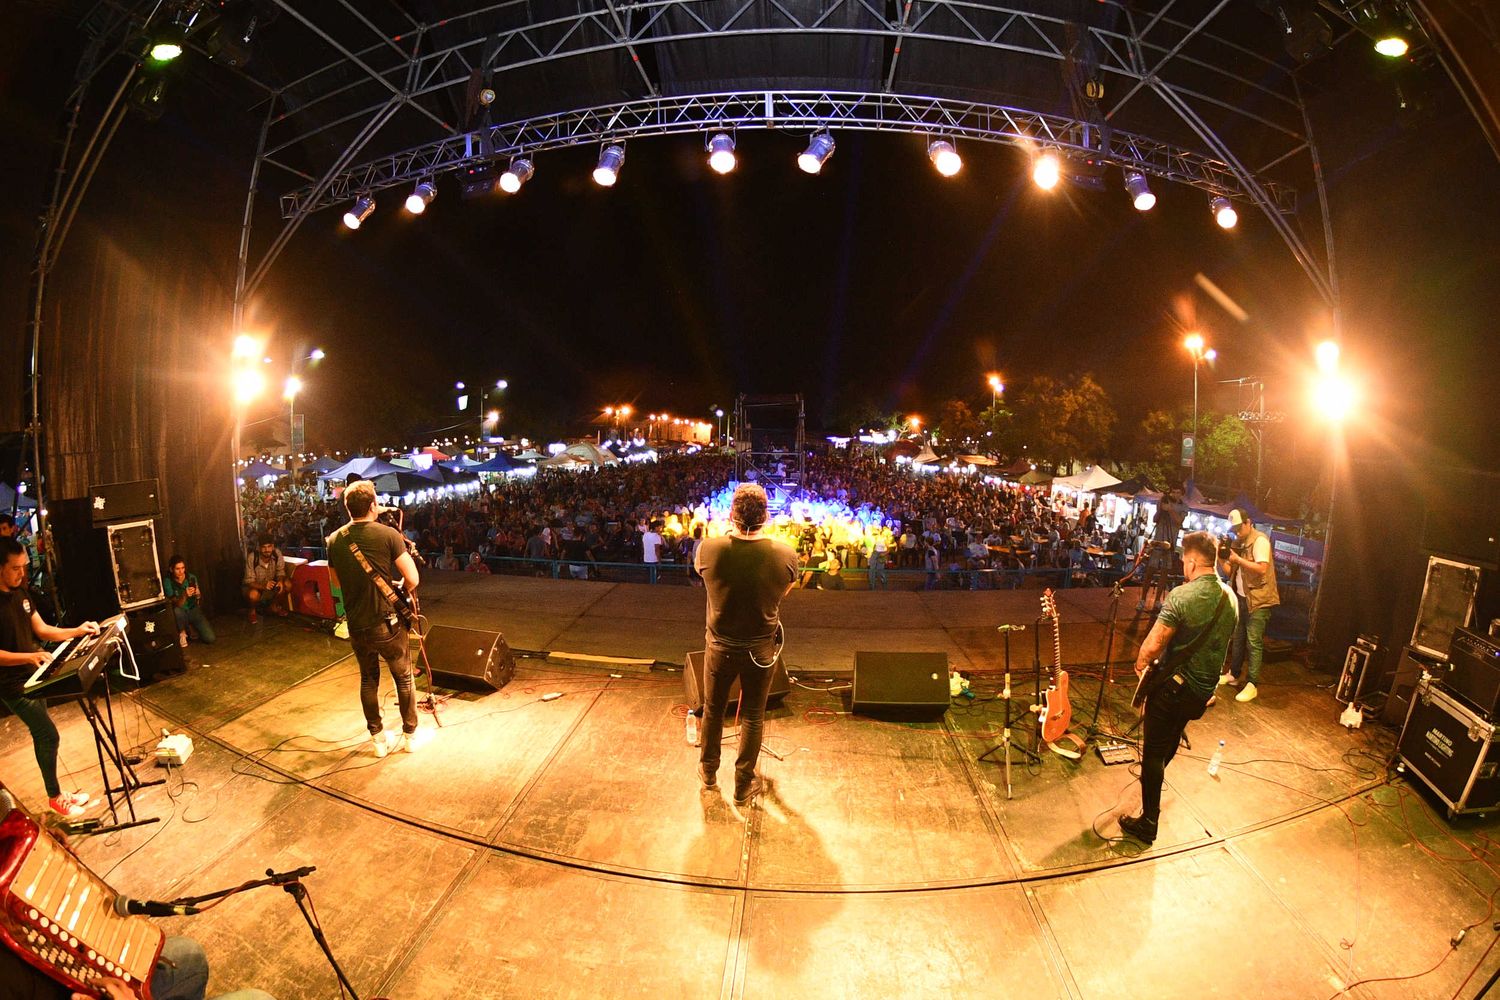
(851, 513)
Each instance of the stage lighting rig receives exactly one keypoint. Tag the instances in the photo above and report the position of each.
(1046, 171)
(611, 159)
(819, 148)
(421, 197)
(721, 156)
(1224, 213)
(1139, 191)
(361, 210)
(518, 173)
(944, 157)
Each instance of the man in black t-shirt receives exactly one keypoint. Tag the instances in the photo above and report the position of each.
(374, 630)
(745, 574)
(20, 628)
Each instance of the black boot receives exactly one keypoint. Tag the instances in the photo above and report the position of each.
(1139, 827)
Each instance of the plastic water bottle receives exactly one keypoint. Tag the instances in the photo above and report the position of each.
(1216, 760)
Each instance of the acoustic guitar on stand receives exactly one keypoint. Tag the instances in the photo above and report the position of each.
(1055, 713)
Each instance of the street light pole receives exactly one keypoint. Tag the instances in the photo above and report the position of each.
(1195, 346)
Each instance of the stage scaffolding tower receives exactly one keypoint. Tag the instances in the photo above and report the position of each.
(770, 444)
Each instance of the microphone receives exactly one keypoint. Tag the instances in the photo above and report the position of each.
(1010, 628)
(151, 908)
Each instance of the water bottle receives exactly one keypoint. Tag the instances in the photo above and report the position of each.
(1216, 760)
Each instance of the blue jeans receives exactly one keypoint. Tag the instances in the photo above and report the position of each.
(392, 645)
(878, 575)
(181, 973)
(195, 618)
(1248, 647)
(44, 739)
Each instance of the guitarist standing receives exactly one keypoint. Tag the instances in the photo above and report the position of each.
(359, 552)
(1191, 639)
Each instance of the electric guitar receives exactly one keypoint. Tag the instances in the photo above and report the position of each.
(1055, 713)
(1150, 682)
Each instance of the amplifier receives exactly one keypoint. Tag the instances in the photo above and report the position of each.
(1474, 670)
(1446, 745)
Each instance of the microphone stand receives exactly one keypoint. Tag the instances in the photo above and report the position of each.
(292, 882)
(1106, 675)
(1005, 742)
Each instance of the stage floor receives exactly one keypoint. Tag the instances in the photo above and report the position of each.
(563, 848)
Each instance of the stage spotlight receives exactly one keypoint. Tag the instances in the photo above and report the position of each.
(420, 198)
(1224, 213)
(1047, 171)
(944, 157)
(819, 148)
(1392, 45)
(611, 159)
(356, 215)
(721, 153)
(167, 44)
(518, 173)
(1327, 355)
(1139, 191)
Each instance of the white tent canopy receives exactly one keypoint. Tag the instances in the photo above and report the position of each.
(1092, 478)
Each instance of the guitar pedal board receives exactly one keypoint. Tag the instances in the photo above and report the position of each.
(1116, 753)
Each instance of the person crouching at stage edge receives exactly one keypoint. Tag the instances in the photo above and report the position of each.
(746, 573)
(267, 579)
(374, 630)
(1203, 602)
(20, 628)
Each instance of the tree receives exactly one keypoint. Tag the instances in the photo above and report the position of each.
(1225, 450)
(957, 422)
(1059, 423)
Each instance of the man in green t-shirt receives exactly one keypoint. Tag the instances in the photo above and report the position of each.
(1203, 606)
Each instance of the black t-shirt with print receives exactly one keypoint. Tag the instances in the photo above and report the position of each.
(16, 636)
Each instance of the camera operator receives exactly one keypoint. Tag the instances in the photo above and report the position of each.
(1245, 556)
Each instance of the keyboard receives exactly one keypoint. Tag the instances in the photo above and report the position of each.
(84, 655)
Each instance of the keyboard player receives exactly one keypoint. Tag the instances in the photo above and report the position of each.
(20, 630)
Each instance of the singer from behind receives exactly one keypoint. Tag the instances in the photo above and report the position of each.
(1191, 637)
(359, 552)
(746, 574)
(20, 628)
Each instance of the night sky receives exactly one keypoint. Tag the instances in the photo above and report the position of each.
(877, 282)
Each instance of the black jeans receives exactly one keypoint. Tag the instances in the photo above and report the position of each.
(383, 642)
(44, 739)
(722, 667)
(1167, 714)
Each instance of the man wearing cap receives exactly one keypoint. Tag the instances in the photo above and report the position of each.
(374, 630)
(1248, 562)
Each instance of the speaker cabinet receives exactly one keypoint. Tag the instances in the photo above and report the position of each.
(83, 561)
(1403, 682)
(901, 683)
(469, 657)
(1463, 516)
(124, 501)
(695, 681)
(152, 634)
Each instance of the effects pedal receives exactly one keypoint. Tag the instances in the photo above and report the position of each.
(1115, 753)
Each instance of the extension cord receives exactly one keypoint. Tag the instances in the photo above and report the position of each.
(173, 751)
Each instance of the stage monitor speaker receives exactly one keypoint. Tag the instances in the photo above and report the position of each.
(152, 634)
(901, 683)
(124, 501)
(132, 556)
(695, 682)
(469, 657)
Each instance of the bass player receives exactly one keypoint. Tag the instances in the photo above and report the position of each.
(359, 552)
(1191, 639)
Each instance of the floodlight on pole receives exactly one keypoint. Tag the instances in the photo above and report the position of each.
(721, 156)
(247, 383)
(292, 386)
(944, 157)
(317, 354)
(611, 159)
(819, 148)
(518, 173)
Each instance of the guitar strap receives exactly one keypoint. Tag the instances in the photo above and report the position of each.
(382, 585)
(1187, 652)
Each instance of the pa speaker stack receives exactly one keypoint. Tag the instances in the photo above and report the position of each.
(469, 657)
(906, 684)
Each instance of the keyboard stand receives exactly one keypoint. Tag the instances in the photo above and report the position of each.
(112, 757)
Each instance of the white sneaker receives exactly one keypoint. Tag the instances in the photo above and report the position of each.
(182, 638)
(690, 730)
(1227, 679)
(379, 745)
(405, 743)
(1247, 694)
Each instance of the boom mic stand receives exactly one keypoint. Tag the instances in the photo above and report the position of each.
(1005, 742)
(292, 882)
(1106, 675)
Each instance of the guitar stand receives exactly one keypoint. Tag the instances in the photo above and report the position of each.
(107, 748)
(1005, 745)
(1106, 675)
